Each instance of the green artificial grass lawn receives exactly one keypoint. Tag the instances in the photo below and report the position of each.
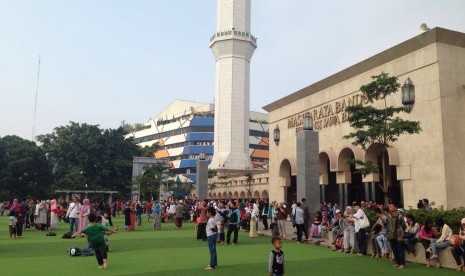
(177, 252)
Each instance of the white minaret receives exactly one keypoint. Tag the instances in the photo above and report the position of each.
(233, 46)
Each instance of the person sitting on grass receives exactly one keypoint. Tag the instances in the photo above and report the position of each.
(276, 259)
(95, 235)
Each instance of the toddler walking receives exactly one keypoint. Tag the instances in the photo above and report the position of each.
(12, 225)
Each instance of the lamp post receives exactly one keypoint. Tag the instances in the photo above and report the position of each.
(308, 185)
(276, 135)
(408, 94)
(202, 177)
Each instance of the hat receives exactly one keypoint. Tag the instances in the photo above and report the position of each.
(338, 211)
(401, 210)
(463, 221)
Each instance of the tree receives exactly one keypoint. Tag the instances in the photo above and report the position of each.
(149, 151)
(154, 176)
(24, 170)
(378, 125)
(83, 154)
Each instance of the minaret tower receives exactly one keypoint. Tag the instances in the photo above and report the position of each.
(233, 46)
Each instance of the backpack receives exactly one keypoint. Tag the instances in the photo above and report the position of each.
(233, 218)
(67, 235)
(223, 216)
(74, 251)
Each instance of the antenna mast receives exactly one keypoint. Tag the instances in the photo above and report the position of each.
(35, 101)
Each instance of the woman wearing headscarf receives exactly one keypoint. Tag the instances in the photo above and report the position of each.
(84, 212)
(14, 205)
(20, 213)
(132, 216)
(348, 227)
(41, 215)
(53, 214)
(157, 216)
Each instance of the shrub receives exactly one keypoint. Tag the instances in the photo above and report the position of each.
(451, 217)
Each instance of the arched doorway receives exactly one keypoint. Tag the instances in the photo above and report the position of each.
(236, 194)
(329, 190)
(288, 180)
(265, 194)
(374, 154)
(256, 195)
(354, 190)
(242, 195)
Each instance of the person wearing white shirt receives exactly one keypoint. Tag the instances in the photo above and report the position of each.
(299, 221)
(73, 214)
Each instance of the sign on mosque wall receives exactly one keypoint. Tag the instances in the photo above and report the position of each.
(327, 115)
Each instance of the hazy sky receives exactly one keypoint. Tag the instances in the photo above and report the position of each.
(106, 61)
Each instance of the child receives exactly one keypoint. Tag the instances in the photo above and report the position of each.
(95, 235)
(12, 225)
(106, 222)
(276, 259)
(211, 236)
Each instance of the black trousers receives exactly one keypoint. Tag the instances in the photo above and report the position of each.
(232, 228)
(19, 229)
(265, 221)
(300, 230)
(100, 254)
(426, 244)
(457, 252)
(361, 236)
(398, 248)
(202, 231)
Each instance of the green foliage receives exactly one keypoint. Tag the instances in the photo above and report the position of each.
(153, 177)
(364, 168)
(85, 154)
(374, 125)
(212, 173)
(149, 151)
(451, 217)
(378, 125)
(24, 170)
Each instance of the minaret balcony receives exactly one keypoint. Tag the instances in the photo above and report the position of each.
(233, 34)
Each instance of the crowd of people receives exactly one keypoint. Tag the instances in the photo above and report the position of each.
(393, 234)
(349, 231)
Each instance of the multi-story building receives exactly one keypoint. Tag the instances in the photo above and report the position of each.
(185, 129)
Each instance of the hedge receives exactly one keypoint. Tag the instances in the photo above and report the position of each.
(451, 217)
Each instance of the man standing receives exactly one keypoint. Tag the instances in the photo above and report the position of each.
(304, 207)
(360, 233)
(234, 218)
(299, 221)
(281, 216)
(264, 214)
(395, 234)
(179, 214)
